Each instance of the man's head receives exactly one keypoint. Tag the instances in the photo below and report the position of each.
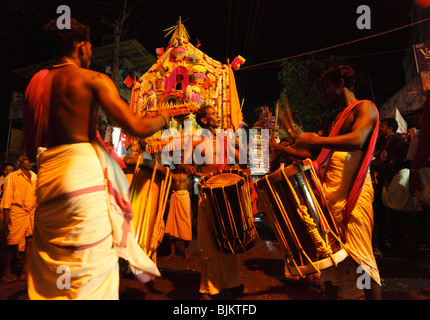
(388, 126)
(7, 168)
(335, 79)
(69, 42)
(23, 162)
(207, 117)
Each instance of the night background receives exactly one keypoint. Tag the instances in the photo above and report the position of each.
(260, 31)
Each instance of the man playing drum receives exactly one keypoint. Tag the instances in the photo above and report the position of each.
(218, 270)
(346, 181)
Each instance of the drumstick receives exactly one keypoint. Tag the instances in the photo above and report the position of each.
(293, 130)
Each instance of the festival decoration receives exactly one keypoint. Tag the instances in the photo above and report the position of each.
(181, 81)
(237, 62)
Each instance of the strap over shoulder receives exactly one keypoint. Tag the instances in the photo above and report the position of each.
(365, 160)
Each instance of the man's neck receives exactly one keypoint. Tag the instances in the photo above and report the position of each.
(348, 99)
(68, 60)
(26, 172)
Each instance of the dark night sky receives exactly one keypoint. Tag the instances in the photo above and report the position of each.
(259, 30)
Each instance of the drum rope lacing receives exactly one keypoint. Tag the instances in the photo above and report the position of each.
(320, 245)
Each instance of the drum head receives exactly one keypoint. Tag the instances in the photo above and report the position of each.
(223, 180)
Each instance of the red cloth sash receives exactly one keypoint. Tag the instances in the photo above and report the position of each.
(34, 110)
(357, 186)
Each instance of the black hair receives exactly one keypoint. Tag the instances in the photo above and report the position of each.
(62, 41)
(391, 123)
(201, 113)
(8, 164)
(337, 73)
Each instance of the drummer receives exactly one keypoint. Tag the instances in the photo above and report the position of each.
(346, 152)
(219, 271)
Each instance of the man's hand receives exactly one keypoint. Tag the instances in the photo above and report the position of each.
(165, 115)
(305, 140)
(189, 169)
(6, 218)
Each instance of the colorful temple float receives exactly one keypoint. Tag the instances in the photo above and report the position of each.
(182, 80)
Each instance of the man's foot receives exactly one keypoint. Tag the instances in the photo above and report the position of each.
(206, 296)
(171, 256)
(235, 292)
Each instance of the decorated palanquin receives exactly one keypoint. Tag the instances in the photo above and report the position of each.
(181, 81)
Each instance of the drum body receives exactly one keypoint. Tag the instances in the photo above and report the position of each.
(304, 227)
(226, 201)
(149, 191)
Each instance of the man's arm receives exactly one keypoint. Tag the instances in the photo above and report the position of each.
(292, 151)
(105, 91)
(185, 165)
(364, 123)
(6, 201)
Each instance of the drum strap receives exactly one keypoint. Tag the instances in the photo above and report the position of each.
(364, 163)
(224, 143)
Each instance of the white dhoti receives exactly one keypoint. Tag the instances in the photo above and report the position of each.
(218, 270)
(82, 226)
(21, 226)
(178, 224)
(337, 181)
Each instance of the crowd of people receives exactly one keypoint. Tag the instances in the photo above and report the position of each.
(83, 217)
(401, 216)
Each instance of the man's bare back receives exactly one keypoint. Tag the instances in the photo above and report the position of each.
(73, 109)
(75, 96)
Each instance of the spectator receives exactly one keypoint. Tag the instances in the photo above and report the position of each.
(19, 203)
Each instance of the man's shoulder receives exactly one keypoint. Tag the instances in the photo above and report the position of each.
(12, 175)
(366, 107)
(365, 104)
(87, 74)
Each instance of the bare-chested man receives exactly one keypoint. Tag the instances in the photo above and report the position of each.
(219, 271)
(83, 222)
(343, 154)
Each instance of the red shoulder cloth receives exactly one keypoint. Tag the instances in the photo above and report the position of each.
(357, 186)
(34, 109)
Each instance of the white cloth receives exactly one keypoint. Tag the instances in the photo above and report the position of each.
(218, 270)
(337, 181)
(81, 224)
(178, 224)
(397, 196)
